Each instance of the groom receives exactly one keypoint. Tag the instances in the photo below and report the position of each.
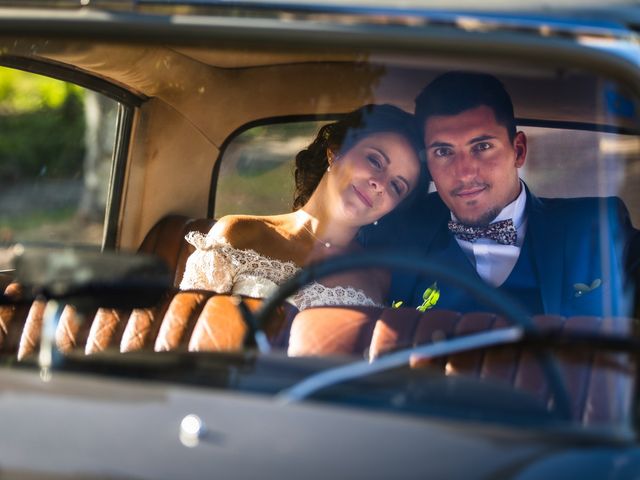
(555, 256)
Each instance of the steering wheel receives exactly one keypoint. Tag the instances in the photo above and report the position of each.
(512, 310)
(503, 304)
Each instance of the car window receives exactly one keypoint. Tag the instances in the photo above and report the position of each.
(257, 168)
(56, 149)
(580, 163)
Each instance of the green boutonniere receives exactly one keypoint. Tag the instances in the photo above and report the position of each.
(429, 298)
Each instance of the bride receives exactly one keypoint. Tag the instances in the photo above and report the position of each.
(355, 171)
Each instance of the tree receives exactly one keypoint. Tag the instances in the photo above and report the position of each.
(99, 138)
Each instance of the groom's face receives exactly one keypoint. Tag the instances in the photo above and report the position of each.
(473, 163)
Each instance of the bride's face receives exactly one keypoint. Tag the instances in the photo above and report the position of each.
(373, 177)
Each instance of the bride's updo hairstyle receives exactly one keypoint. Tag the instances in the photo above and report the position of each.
(340, 136)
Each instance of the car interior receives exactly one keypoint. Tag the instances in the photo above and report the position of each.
(187, 110)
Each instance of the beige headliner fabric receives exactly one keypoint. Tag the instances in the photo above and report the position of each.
(241, 85)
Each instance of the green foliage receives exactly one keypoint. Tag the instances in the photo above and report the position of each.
(268, 193)
(41, 126)
(22, 92)
(277, 131)
(257, 175)
(35, 219)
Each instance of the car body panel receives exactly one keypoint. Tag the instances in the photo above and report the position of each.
(140, 437)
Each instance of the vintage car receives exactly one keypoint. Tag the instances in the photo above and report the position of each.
(164, 116)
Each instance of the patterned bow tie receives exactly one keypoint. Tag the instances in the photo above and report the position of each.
(503, 232)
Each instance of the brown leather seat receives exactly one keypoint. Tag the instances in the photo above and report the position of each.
(166, 240)
(20, 326)
(600, 385)
(198, 320)
(138, 329)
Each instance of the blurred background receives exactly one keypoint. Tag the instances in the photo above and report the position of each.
(56, 146)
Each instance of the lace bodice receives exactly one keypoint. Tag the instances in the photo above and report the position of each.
(215, 265)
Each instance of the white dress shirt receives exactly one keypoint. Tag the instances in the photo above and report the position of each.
(494, 261)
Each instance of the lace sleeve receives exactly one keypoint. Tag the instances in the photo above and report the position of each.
(317, 295)
(209, 267)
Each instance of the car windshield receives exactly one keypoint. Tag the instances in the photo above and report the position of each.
(436, 233)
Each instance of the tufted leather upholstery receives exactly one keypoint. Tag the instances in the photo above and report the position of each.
(138, 329)
(180, 319)
(600, 385)
(198, 320)
(220, 327)
(20, 326)
(10, 325)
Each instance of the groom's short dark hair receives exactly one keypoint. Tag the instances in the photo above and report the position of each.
(455, 92)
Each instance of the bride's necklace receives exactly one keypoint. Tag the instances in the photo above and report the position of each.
(322, 242)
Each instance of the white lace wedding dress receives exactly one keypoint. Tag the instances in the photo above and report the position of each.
(215, 265)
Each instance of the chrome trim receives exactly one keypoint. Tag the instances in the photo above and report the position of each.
(542, 23)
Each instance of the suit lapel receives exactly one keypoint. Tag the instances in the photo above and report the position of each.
(436, 216)
(427, 223)
(548, 236)
(444, 247)
(440, 245)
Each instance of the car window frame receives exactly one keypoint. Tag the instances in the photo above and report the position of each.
(328, 117)
(277, 120)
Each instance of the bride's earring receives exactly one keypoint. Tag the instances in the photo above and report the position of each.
(329, 168)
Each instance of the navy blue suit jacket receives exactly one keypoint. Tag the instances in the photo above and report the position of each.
(568, 244)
